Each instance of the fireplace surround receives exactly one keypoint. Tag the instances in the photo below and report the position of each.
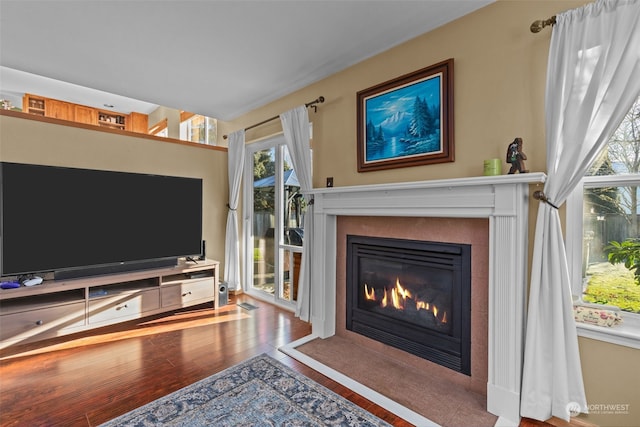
(503, 200)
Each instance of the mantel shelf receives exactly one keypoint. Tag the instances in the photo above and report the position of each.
(529, 178)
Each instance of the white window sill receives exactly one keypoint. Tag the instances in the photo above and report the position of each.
(626, 334)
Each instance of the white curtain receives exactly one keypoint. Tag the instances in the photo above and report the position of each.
(593, 77)
(232, 239)
(295, 124)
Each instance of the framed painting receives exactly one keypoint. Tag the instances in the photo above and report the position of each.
(407, 121)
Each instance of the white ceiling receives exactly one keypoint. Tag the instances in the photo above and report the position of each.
(220, 58)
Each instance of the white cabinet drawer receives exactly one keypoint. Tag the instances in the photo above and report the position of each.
(41, 323)
(124, 305)
(188, 293)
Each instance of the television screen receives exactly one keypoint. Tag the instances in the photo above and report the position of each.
(58, 218)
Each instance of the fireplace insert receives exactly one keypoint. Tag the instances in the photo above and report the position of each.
(412, 295)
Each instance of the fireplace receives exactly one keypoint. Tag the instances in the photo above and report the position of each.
(412, 295)
(503, 200)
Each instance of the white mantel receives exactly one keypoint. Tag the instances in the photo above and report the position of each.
(504, 200)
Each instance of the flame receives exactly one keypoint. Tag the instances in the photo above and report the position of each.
(404, 292)
(422, 305)
(369, 294)
(397, 297)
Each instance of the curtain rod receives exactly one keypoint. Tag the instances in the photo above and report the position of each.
(537, 26)
(313, 103)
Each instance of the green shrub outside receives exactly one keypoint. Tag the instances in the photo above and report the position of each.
(612, 285)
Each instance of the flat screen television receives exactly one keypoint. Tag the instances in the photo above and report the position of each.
(80, 222)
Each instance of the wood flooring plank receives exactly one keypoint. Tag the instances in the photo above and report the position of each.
(89, 378)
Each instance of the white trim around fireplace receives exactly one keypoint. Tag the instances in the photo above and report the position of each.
(504, 200)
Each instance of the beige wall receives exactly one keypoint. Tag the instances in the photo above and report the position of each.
(499, 79)
(611, 375)
(28, 141)
(499, 76)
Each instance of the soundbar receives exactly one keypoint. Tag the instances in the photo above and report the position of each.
(99, 270)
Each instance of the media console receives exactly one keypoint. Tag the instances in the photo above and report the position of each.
(61, 307)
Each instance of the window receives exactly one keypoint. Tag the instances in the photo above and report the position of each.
(603, 213)
(274, 210)
(196, 128)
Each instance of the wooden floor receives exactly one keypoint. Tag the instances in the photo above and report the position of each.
(88, 379)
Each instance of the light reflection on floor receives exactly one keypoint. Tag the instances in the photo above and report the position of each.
(174, 322)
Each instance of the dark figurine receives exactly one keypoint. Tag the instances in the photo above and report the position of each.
(516, 157)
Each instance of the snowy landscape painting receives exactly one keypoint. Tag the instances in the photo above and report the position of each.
(407, 121)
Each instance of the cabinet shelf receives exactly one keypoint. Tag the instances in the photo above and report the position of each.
(122, 288)
(17, 305)
(47, 107)
(61, 307)
(111, 125)
(185, 277)
(34, 106)
(111, 120)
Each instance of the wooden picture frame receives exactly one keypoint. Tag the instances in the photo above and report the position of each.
(407, 121)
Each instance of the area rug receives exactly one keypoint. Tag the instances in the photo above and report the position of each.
(258, 392)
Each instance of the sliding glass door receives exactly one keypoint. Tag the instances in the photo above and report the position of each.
(273, 212)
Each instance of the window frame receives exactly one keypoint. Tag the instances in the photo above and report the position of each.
(186, 128)
(628, 333)
(278, 142)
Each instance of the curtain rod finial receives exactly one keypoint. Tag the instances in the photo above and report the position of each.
(539, 195)
(538, 25)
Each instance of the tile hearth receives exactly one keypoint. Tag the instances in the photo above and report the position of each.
(435, 398)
